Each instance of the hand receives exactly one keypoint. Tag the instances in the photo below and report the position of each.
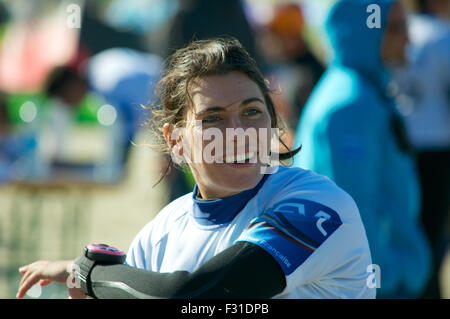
(45, 272)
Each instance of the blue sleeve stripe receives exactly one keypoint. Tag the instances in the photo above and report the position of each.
(282, 220)
(286, 251)
(284, 233)
(291, 231)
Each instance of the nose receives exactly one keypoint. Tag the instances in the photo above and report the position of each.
(235, 136)
(235, 121)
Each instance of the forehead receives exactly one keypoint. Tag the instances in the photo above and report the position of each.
(223, 90)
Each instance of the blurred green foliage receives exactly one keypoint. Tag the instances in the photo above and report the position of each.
(86, 111)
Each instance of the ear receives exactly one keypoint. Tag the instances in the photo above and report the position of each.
(167, 131)
(173, 139)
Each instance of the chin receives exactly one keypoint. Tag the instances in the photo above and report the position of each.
(241, 179)
(226, 181)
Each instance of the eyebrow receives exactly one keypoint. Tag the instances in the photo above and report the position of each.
(221, 108)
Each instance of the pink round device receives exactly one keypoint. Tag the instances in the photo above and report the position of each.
(105, 253)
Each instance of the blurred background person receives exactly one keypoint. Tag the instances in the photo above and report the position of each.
(350, 131)
(422, 91)
(101, 28)
(202, 19)
(125, 40)
(65, 89)
(290, 61)
(124, 79)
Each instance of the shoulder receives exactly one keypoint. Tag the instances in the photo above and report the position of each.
(165, 219)
(152, 233)
(313, 230)
(343, 92)
(345, 83)
(296, 185)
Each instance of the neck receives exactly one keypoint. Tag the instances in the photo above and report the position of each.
(208, 194)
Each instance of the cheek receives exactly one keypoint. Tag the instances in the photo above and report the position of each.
(265, 131)
(210, 175)
(190, 145)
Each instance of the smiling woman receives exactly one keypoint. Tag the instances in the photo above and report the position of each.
(242, 232)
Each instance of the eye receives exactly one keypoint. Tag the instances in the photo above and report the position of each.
(252, 112)
(211, 119)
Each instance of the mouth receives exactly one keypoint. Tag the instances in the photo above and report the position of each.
(241, 159)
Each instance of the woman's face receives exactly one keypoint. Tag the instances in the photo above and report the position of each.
(220, 105)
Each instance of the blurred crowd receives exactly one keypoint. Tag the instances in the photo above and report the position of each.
(370, 108)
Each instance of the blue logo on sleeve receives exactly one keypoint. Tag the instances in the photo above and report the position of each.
(292, 230)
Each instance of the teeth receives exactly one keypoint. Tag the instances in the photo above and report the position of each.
(239, 157)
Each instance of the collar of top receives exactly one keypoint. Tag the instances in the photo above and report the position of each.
(222, 210)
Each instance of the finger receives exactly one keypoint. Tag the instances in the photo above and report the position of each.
(29, 270)
(24, 278)
(26, 275)
(23, 269)
(45, 282)
(20, 291)
(26, 267)
(31, 281)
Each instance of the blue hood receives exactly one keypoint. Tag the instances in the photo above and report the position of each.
(354, 44)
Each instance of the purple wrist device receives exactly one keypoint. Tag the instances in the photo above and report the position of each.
(104, 253)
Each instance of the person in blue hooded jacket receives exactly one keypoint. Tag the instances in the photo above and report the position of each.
(351, 132)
